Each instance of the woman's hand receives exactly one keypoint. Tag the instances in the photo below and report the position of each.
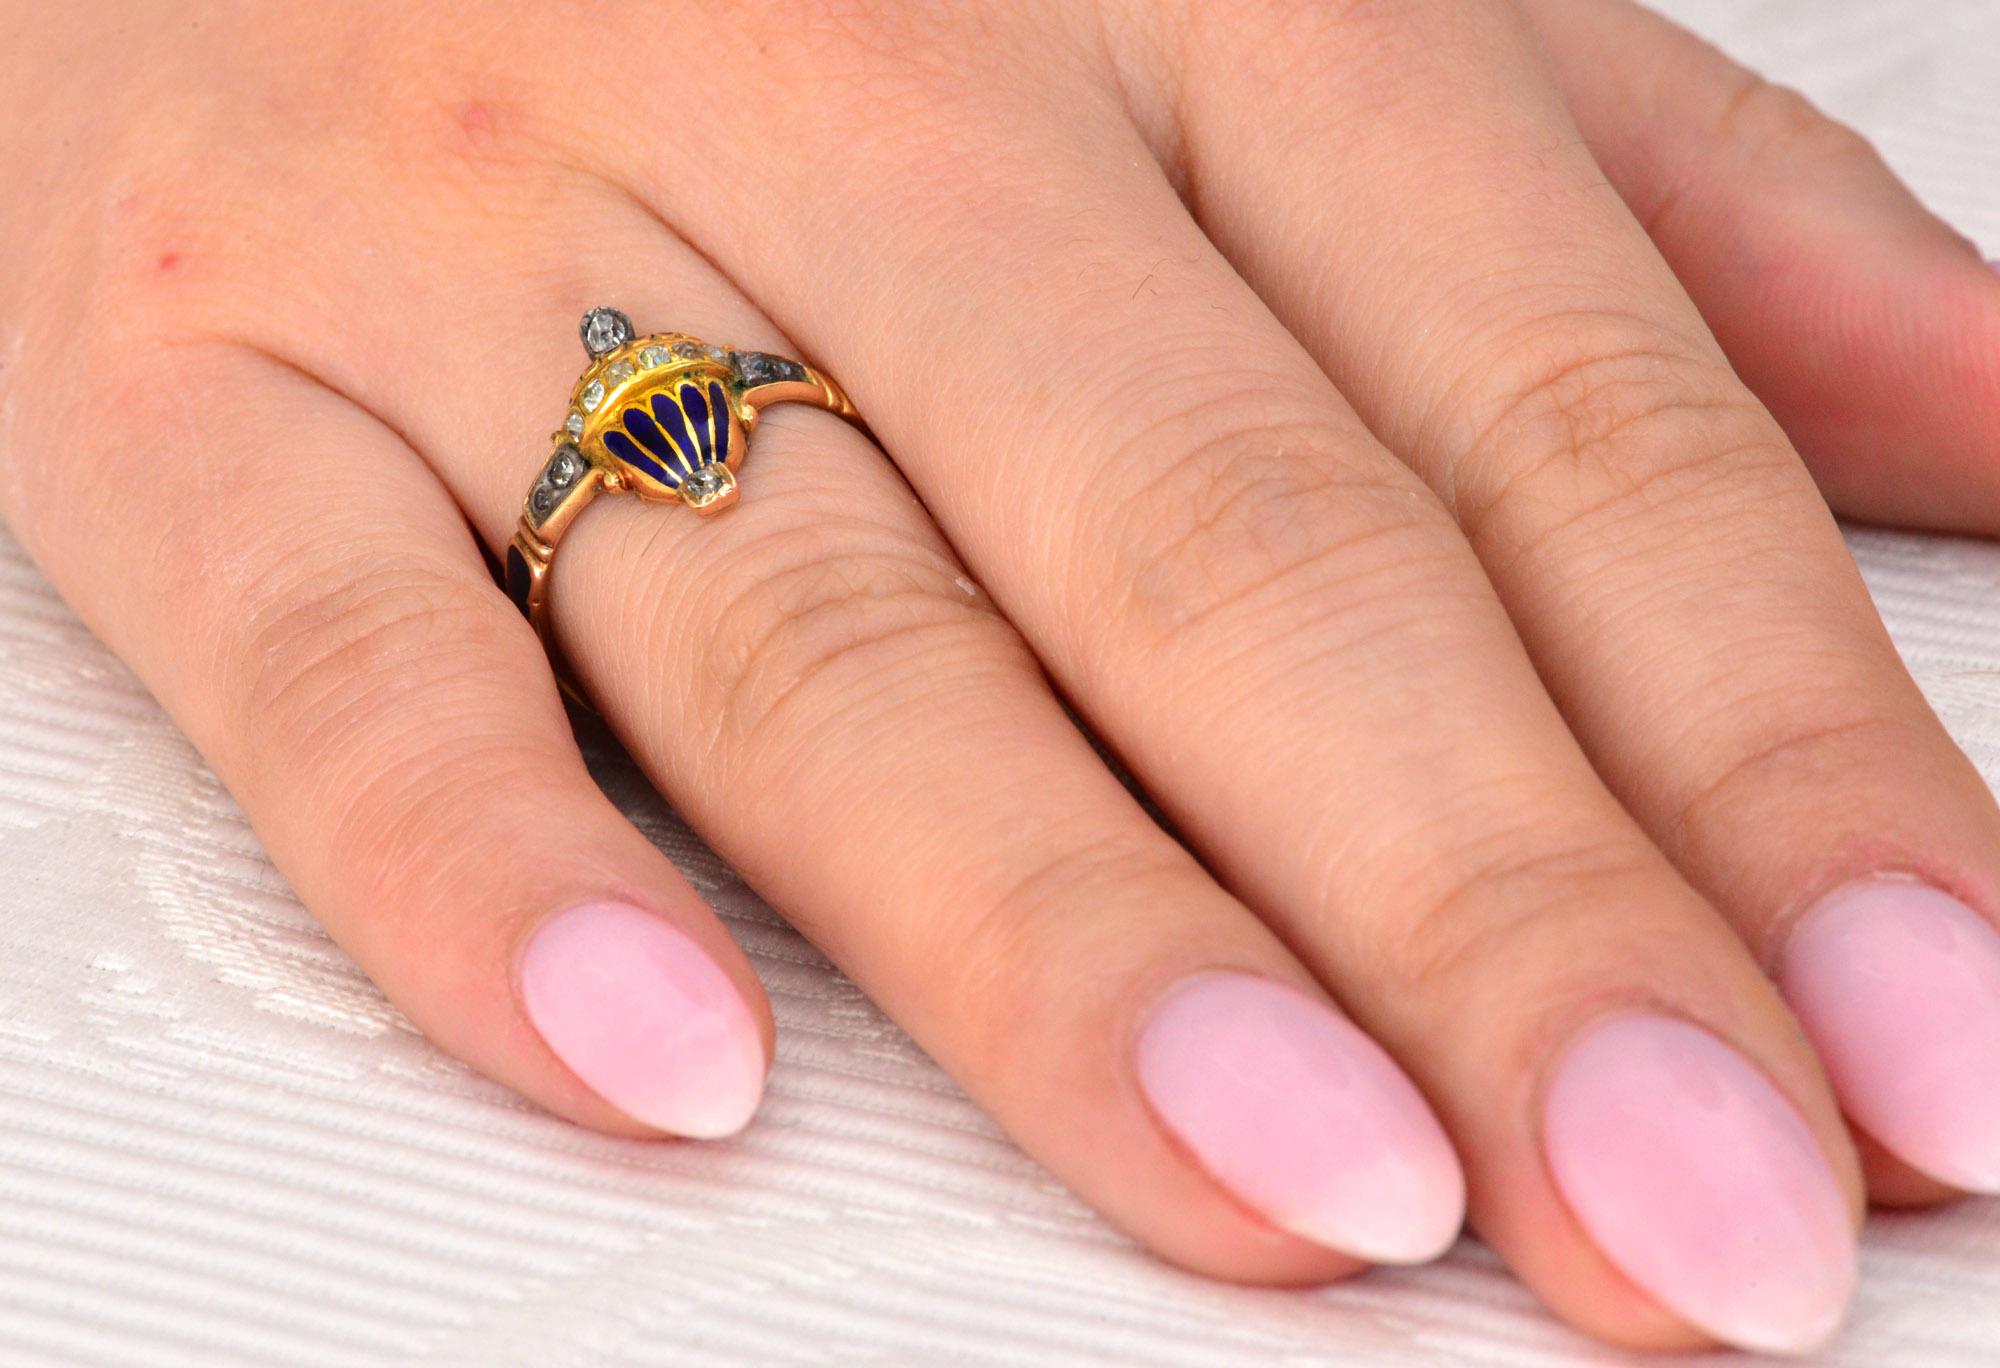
(1358, 446)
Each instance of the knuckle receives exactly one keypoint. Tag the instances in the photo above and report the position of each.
(334, 649)
(1251, 514)
(822, 625)
(1515, 898)
(1774, 124)
(164, 244)
(371, 687)
(902, 89)
(1019, 944)
(1585, 418)
(1323, 19)
(421, 813)
(1814, 750)
(894, 35)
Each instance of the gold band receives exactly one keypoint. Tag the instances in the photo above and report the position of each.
(666, 417)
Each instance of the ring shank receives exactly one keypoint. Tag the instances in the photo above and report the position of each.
(817, 389)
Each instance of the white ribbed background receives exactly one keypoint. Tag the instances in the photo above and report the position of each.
(218, 1144)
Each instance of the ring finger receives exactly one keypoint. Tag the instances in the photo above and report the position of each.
(819, 687)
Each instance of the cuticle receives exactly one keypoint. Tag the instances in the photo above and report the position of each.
(531, 926)
(1581, 1023)
(1142, 1007)
(1785, 924)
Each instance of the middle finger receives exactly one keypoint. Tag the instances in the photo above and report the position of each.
(1678, 580)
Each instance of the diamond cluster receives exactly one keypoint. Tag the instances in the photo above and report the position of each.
(762, 368)
(607, 334)
(606, 330)
(558, 477)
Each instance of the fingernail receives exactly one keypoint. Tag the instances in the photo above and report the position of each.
(1288, 1105)
(645, 1018)
(1898, 987)
(1696, 1177)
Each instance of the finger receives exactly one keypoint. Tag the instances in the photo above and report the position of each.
(303, 597)
(1677, 579)
(875, 750)
(1868, 326)
(1287, 641)
(816, 684)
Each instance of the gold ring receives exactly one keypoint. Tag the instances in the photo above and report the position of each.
(666, 417)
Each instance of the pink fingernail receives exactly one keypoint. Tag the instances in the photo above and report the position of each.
(1898, 986)
(645, 1018)
(1701, 1181)
(1288, 1105)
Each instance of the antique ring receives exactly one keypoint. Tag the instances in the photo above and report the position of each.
(666, 417)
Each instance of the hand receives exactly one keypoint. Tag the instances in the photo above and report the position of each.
(1357, 448)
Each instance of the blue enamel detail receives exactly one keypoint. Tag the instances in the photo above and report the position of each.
(518, 579)
(696, 408)
(676, 433)
(647, 433)
(628, 451)
(718, 406)
(674, 422)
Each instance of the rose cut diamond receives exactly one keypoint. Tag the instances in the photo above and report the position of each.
(762, 368)
(704, 484)
(605, 330)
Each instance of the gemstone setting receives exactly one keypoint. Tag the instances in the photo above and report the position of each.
(704, 483)
(660, 412)
(563, 470)
(605, 331)
(762, 368)
(709, 484)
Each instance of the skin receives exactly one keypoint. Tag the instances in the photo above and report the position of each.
(1392, 428)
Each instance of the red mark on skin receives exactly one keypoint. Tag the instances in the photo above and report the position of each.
(481, 127)
(169, 260)
(476, 119)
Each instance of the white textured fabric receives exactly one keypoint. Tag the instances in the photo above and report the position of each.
(218, 1144)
